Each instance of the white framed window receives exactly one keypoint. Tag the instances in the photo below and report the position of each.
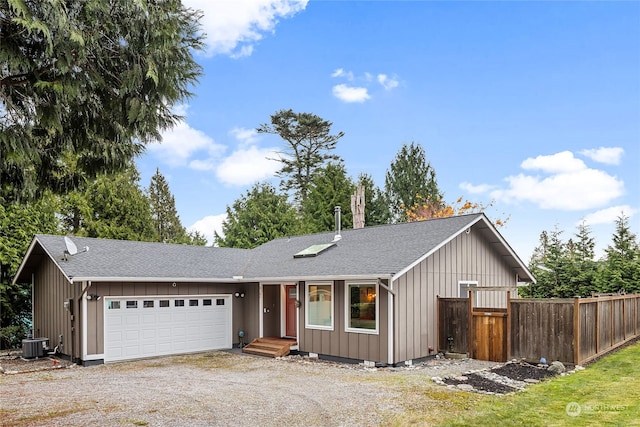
(319, 305)
(464, 287)
(361, 307)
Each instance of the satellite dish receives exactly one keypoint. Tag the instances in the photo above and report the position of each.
(72, 249)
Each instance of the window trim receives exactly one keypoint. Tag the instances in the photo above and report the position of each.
(307, 325)
(347, 307)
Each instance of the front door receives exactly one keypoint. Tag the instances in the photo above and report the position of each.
(291, 312)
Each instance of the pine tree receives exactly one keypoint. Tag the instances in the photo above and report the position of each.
(308, 145)
(409, 179)
(331, 187)
(620, 270)
(166, 221)
(257, 217)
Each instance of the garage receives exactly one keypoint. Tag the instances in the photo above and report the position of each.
(137, 327)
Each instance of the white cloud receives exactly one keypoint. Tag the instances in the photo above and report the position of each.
(350, 94)
(555, 163)
(608, 215)
(234, 27)
(245, 136)
(245, 166)
(181, 143)
(340, 72)
(606, 155)
(208, 225)
(475, 189)
(568, 188)
(387, 82)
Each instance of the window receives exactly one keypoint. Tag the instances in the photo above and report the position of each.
(113, 305)
(464, 286)
(178, 303)
(319, 306)
(132, 304)
(164, 303)
(206, 302)
(193, 303)
(362, 307)
(147, 304)
(220, 301)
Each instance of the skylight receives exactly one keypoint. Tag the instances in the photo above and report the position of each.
(314, 250)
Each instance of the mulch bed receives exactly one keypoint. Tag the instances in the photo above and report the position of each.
(520, 372)
(523, 371)
(480, 384)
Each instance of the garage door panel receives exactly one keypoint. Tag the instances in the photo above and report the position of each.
(143, 327)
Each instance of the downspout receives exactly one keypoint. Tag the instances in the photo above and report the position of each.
(33, 319)
(390, 332)
(79, 298)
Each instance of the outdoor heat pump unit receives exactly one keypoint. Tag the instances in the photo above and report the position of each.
(34, 348)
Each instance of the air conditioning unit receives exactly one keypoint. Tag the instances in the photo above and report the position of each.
(33, 348)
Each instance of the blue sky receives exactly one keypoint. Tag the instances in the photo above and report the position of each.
(534, 105)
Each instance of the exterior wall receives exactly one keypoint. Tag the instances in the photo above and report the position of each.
(245, 310)
(339, 343)
(467, 257)
(50, 318)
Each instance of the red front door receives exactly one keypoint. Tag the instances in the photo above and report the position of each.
(291, 312)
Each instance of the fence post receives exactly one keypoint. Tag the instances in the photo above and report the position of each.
(576, 331)
(438, 322)
(508, 331)
(471, 334)
(597, 326)
(612, 323)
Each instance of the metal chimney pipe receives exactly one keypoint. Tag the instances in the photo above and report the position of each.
(338, 223)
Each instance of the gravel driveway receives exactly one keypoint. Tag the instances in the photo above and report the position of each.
(220, 388)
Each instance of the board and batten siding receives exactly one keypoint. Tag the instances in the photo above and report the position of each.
(468, 257)
(245, 310)
(339, 343)
(51, 319)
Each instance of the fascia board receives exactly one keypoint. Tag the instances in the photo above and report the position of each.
(435, 249)
(28, 255)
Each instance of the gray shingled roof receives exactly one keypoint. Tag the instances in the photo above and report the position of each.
(372, 251)
(138, 260)
(380, 251)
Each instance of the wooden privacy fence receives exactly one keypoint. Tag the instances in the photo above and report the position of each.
(572, 330)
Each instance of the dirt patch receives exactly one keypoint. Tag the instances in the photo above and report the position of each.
(504, 379)
(13, 363)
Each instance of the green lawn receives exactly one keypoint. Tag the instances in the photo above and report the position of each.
(607, 392)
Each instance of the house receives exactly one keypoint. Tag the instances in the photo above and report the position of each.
(367, 295)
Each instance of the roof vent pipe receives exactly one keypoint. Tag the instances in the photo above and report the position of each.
(338, 224)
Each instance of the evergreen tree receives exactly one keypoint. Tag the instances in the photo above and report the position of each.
(620, 270)
(166, 222)
(308, 145)
(376, 210)
(582, 255)
(331, 187)
(118, 209)
(95, 78)
(409, 179)
(547, 266)
(257, 217)
(18, 224)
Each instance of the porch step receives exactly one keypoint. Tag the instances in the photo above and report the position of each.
(269, 347)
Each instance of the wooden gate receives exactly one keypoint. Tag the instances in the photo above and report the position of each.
(489, 332)
(489, 335)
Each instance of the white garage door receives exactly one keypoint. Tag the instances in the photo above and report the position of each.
(138, 327)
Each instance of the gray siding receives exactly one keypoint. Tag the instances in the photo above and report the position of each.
(245, 310)
(468, 257)
(50, 319)
(339, 343)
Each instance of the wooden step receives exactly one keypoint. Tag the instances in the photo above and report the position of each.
(269, 347)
